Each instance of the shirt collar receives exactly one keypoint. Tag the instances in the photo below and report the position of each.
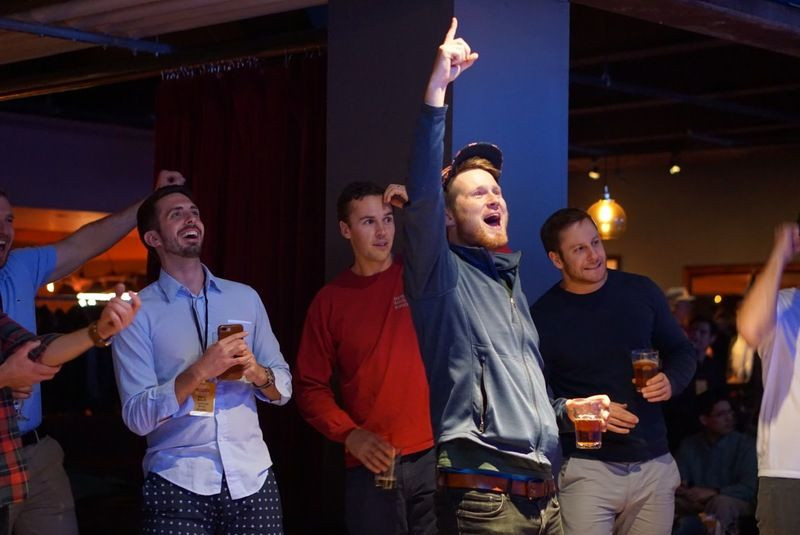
(173, 289)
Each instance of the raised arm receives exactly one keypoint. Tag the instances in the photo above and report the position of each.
(454, 57)
(116, 315)
(96, 237)
(427, 270)
(757, 316)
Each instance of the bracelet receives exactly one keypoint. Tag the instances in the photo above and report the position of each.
(270, 379)
(98, 340)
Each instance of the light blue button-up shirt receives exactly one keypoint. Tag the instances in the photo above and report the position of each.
(194, 452)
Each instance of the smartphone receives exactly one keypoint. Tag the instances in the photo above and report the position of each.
(234, 373)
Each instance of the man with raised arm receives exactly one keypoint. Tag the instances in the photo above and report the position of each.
(207, 467)
(25, 358)
(49, 507)
(769, 320)
(494, 424)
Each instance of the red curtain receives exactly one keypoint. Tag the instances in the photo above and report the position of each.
(251, 142)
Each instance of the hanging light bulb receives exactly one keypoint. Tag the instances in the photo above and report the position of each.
(609, 216)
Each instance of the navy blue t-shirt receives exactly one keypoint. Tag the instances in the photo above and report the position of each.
(586, 340)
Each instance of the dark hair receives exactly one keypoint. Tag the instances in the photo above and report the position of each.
(4, 193)
(558, 221)
(476, 162)
(712, 326)
(146, 216)
(355, 191)
(708, 399)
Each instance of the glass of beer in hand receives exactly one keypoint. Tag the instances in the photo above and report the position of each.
(588, 425)
(645, 366)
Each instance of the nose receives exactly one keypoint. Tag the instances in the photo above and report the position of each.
(380, 229)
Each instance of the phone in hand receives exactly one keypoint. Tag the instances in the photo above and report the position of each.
(234, 373)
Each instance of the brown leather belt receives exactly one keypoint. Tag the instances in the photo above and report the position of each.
(531, 489)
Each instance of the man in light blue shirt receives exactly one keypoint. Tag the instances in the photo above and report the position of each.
(207, 466)
(49, 507)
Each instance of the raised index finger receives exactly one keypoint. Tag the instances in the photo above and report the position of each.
(451, 33)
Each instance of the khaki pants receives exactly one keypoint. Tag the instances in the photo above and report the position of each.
(599, 498)
(49, 509)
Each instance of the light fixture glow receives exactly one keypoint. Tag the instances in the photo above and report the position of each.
(92, 298)
(609, 216)
(51, 287)
(674, 169)
(718, 299)
(594, 171)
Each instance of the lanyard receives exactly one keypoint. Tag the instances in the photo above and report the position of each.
(203, 339)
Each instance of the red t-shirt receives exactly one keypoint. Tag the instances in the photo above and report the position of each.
(361, 328)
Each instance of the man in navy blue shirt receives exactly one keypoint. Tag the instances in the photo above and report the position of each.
(588, 325)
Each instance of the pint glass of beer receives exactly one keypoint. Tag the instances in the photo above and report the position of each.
(588, 425)
(645, 366)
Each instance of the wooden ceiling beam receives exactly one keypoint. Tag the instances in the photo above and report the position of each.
(758, 23)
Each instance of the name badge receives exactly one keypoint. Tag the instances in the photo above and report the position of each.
(203, 397)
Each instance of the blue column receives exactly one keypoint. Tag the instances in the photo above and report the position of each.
(516, 95)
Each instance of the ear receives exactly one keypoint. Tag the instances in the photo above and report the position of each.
(555, 258)
(344, 230)
(449, 220)
(152, 239)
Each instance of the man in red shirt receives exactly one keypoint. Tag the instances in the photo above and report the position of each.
(359, 324)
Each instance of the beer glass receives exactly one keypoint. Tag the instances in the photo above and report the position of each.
(645, 366)
(588, 425)
(387, 479)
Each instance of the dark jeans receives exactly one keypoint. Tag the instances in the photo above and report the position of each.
(405, 509)
(479, 512)
(777, 510)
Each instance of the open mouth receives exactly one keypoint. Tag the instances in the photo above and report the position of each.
(3, 245)
(191, 233)
(493, 220)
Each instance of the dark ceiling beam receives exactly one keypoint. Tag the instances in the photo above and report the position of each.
(73, 34)
(758, 23)
(719, 137)
(642, 104)
(608, 83)
(645, 53)
(90, 70)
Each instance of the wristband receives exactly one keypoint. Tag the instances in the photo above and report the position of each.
(269, 382)
(98, 340)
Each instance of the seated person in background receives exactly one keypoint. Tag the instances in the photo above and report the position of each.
(718, 469)
(710, 375)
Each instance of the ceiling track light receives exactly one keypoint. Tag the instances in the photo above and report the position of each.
(674, 166)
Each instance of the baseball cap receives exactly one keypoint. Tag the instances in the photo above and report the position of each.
(487, 151)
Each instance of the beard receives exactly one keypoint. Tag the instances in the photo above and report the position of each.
(184, 251)
(477, 235)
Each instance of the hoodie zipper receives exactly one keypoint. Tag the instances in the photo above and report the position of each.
(517, 327)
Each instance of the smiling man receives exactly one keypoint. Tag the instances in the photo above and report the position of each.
(494, 423)
(359, 328)
(207, 467)
(589, 323)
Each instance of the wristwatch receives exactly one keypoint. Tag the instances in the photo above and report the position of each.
(270, 379)
(96, 338)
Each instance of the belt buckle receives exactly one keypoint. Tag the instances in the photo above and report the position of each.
(530, 489)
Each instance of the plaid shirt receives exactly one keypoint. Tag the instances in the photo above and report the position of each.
(13, 473)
